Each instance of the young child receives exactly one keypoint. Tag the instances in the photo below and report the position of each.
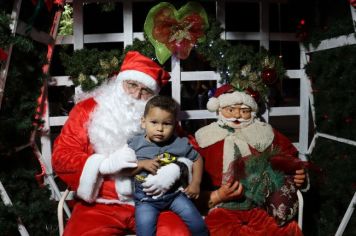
(159, 121)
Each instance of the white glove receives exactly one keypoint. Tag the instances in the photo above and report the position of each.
(160, 183)
(120, 159)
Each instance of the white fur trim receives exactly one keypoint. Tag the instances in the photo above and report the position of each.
(90, 179)
(228, 99)
(114, 201)
(213, 104)
(189, 164)
(141, 77)
(249, 101)
(229, 154)
(210, 134)
(259, 135)
(124, 188)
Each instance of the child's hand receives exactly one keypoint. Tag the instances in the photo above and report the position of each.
(149, 165)
(193, 190)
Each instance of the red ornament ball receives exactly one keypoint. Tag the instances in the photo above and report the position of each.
(253, 93)
(269, 76)
(348, 120)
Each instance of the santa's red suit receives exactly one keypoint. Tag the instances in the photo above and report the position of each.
(218, 145)
(89, 154)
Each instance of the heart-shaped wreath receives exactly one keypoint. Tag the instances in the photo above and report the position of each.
(175, 32)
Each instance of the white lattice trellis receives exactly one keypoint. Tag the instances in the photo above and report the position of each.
(263, 36)
(79, 39)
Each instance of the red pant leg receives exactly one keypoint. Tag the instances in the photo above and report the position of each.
(101, 219)
(171, 224)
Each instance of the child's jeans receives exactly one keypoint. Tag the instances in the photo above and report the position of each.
(146, 214)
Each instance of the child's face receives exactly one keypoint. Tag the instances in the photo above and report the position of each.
(159, 125)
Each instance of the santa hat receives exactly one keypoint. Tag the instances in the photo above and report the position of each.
(142, 69)
(224, 96)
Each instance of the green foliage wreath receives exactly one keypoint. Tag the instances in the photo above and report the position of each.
(237, 64)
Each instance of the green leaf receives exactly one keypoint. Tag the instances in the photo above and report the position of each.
(162, 52)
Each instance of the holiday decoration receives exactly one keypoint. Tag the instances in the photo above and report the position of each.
(18, 162)
(66, 23)
(253, 94)
(348, 120)
(269, 76)
(3, 55)
(90, 67)
(238, 65)
(175, 32)
(269, 73)
(258, 178)
(301, 30)
(333, 71)
(335, 114)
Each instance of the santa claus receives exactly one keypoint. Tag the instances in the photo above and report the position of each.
(91, 155)
(227, 145)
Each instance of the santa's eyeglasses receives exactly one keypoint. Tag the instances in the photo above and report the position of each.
(133, 87)
(237, 109)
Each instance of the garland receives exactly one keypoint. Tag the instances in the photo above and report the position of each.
(332, 73)
(239, 65)
(236, 64)
(66, 22)
(7, 38)
(322, 23)
(18, 164)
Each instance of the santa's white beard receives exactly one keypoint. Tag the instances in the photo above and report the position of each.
(115, 119)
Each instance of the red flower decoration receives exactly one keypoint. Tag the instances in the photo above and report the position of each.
(3, 55)
(175, 32)
(178, 36)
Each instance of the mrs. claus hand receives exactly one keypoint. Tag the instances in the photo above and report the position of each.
(299, 177)
(227, 192)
